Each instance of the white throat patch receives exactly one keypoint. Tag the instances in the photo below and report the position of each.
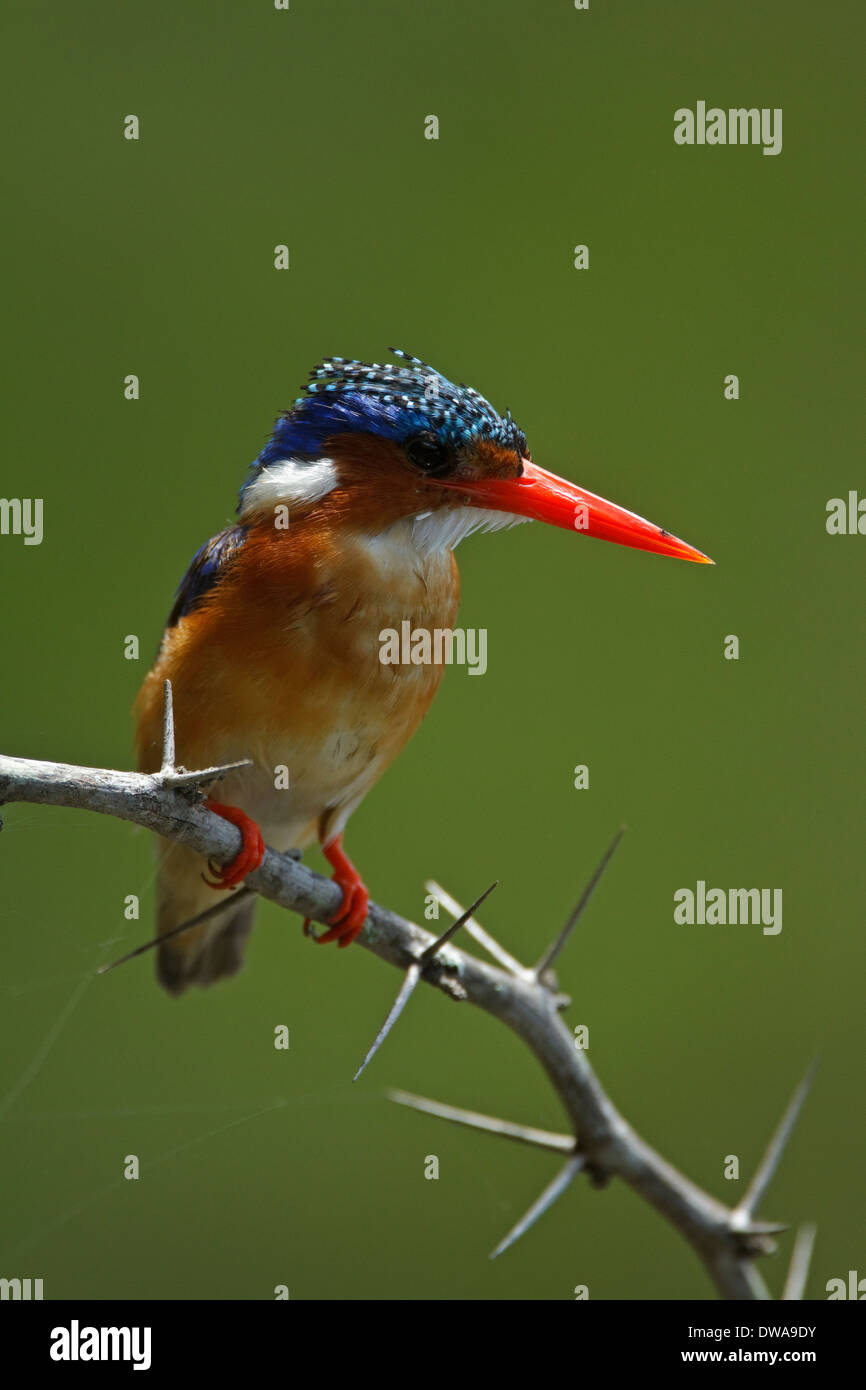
(446, 528)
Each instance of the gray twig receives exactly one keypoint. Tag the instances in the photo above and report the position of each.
(726, 1240)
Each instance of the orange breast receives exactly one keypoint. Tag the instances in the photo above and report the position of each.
(281, 663)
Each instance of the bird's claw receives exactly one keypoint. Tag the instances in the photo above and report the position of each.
(352, 912)
(248, 857)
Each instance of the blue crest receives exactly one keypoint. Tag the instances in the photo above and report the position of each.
(344, 396)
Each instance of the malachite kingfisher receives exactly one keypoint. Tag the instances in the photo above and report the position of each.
(347, 525)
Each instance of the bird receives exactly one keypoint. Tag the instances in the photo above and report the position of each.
(346, 528)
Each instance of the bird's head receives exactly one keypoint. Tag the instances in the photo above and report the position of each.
(373, 444)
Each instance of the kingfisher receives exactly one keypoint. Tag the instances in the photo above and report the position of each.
(346, 527)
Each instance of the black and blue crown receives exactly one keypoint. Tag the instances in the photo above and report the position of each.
(395, 401)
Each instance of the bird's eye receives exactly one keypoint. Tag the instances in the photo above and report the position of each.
(429, 454)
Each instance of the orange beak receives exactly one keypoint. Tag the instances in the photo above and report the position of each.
(543, 496)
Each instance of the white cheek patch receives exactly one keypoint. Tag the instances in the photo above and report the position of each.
(291, 481)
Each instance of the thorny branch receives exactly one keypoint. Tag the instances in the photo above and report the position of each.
(602, 1144)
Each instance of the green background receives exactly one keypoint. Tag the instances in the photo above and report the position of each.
(306, 127)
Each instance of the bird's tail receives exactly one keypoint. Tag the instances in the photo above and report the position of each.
(213, 949)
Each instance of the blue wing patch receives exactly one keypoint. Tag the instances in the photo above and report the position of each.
(205, 569)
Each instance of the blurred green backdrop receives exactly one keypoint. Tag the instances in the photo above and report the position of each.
(155, 257)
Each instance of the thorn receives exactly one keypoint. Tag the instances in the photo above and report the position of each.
(207, 774)
(430, 951)
(524, 1134)
(764, 1228)
(553, 951)
(413, 975)
(773, 1153)
(757, 1238)
(214, 911)
(491, 946)
(168, 774)
(167, 730)
(798, 1270)
(555, 1189)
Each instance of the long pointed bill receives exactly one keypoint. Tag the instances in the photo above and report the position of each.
(544, 497)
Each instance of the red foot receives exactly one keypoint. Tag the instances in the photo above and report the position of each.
(352, 913)
(248, 857)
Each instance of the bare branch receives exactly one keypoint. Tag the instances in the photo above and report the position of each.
(726, 1241)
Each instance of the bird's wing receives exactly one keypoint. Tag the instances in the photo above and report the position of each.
(205, 569)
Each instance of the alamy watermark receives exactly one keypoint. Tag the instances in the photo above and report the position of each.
(755, 907)
(20, 1289)
(77, 1343)
(438, 646)
(738, 125)
(22, 516)
(846, 516)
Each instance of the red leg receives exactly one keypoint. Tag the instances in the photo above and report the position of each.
(352, 913)
(248, 857)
